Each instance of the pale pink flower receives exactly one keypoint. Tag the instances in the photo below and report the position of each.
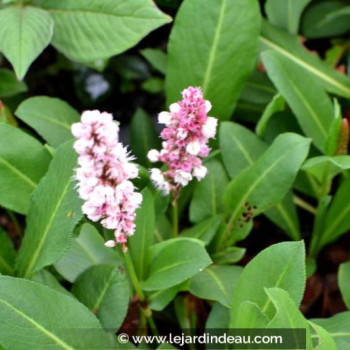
(186, 135)
(104, 175)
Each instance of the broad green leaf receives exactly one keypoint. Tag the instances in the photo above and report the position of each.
(309, 102)
(48, 279)
(258, 89)
(283, 266)
(336, 221)
(177, 261)
(265, 183)
(153, 85)
(23, 162)
(207, 196)
(204, 230)
(290, 47)
(54, 211)
(277, 104)
(324, 341)
(7, 254)
(324, 167)
(216, 283)
(326, 19)
(24, 33)
(157, 58)
(338, 326)
(50, 117)
(47, 319)
(9, 85)
(219, 317)
(104, 289)
(344, 282)
(85, 251)
(98, 29)
(284, 214)
(285, 14)
(228, 256)
(250, 316)
(240, 149)
(288, 316)
(222, 62)
(143, 136)
(161, 298)
(141, 241)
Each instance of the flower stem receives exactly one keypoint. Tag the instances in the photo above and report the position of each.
(146, 311)
(305, 205)
(175, 217)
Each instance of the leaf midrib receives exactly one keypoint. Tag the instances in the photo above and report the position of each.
(306, 65)
(37, 325)
(18, 172)
(100, 297)
(218, 282)
(214, 47)
(43, 237)
(53, 121)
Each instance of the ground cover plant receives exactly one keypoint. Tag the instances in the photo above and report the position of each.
(173, 166)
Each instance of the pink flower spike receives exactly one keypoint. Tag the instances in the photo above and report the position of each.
(104, 175)
(186, 135)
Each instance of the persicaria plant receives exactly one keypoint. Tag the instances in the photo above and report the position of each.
(174, 168)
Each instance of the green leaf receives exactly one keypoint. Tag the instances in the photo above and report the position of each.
(324, 339)
(7, 254)
(104, 289)
(285, 14)
(207, 196)
(143, 136)
(47, 319)
(53, 213)
(283, 265)
(23, 162)
(161, 298)
(334, 130)
(24, 34)
(216, 283)
(265, 183)
(324, 167)
(204, 230)
(326, 19)
(157, 58)
(288, 316)
(277, 104)
(290, 47)
(222, 62)
(240, 149)
(258, 89)
(85, 251)
(166, 346)
(141, 241)
(9, 85)
(99, 29)
(178, 260)
(336, 221)
(229, 255)
(309, 102)
(250, 316)
(48, 279)
(344, 282)
(338, 326)
(50, 117)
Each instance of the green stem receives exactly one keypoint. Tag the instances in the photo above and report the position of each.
(15, 222)
(175, 217)
(305, 205)
(147, 312)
